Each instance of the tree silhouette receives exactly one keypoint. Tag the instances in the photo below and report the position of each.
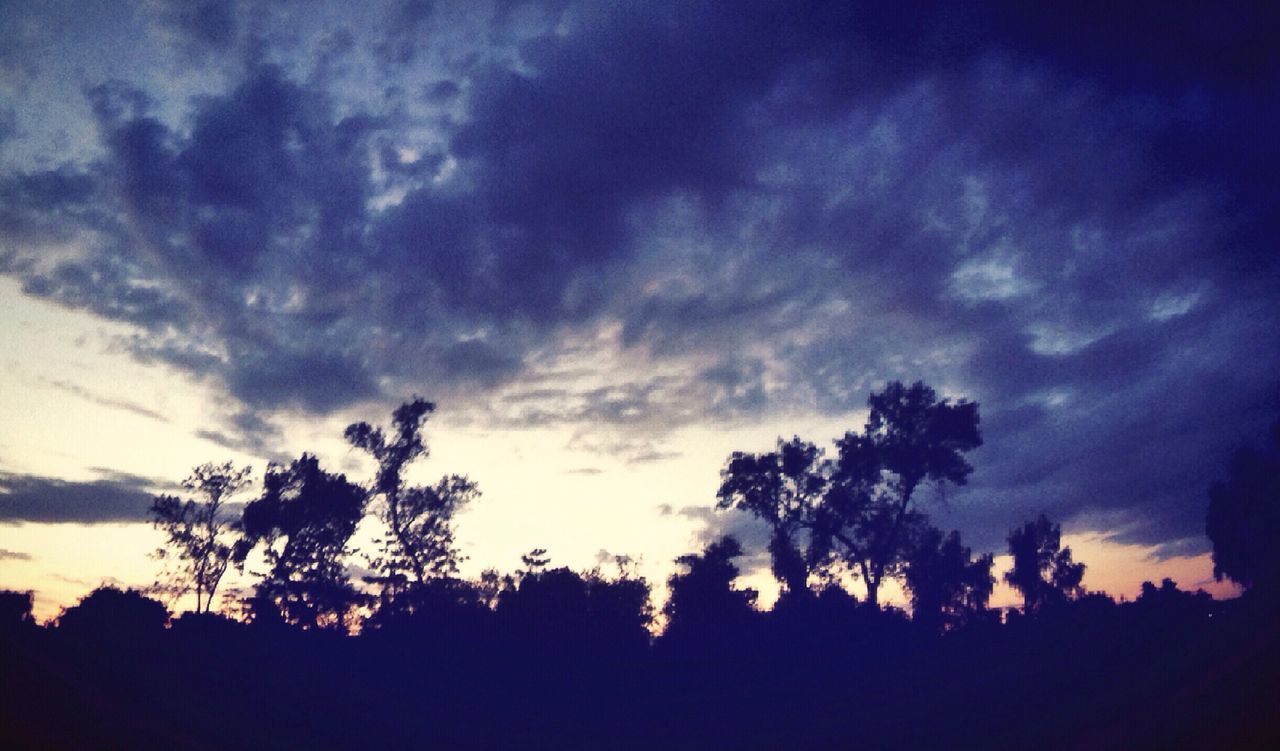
(304, 520)
(948, 587)
(619, 605)
(419, 542)
(535, 560)
(550, 601)
(197, 532)
(109, 612)
(911, 437)
(1243, 520)
(1169, 601)
(702, 598)
(561, 604)
(15, 610)
(1043, 571)
(784, 488)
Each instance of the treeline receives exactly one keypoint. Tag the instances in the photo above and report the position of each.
(415, 656)
(853, 516)
(563, 661)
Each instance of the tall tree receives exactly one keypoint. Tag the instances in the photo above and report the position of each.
(948, 587)
(784, 489)
(1043, 571)
(911, 437)
(419, 541)
(304, 521)
(1243, 520)
(198, 532)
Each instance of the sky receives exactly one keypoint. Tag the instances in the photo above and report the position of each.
(615, 242)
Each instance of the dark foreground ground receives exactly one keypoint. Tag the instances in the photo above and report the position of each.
(1086, 677)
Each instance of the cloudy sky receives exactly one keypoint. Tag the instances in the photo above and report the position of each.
(616, 241)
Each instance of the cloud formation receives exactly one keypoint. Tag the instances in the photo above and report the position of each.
(31, 498)
(707, 215)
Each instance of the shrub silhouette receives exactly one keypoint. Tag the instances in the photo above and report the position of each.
(110, 612)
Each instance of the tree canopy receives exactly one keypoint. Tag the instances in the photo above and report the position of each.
(419, 540)
(1243, 520)
(304, 520)
(911, 436)
(703, 596)
(947, 585)
(857, 511)
(1043, 571)
(198, 532)
(784, 488)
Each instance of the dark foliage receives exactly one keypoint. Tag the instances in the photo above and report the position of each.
(418, 543)
(859, 511)
(197, 532)
(948, 587)
(303, 520)
(109, 612)
(1244, 519)
(703, 599)
(15, 610)
(911, 437)
(556, 666)
(784, 488)
(1043, 571)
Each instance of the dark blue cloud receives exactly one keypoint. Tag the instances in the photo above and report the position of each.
(8, 123)
(441, 91)
(1066, 214)
(46, 206)
(249, 432)
(407, 27)
(255, 217)
(31, 498)
(203, 25)
(748, 530)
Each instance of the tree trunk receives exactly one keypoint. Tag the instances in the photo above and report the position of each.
(788, 565)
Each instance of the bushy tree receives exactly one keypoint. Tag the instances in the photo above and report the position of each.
(198, 532)
(911, 437)
(783, 488)
(857, 511)
(1243, 520)
(1043, 571)
(546, 600)
(703, 596)
(304, 520)
(620, 607)
(113, 613)
(1167, 601)
(419, 540)
(562, 604)
(948, 586)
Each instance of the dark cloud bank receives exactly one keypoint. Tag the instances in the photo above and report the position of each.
(113, 498)
(1067, 216)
